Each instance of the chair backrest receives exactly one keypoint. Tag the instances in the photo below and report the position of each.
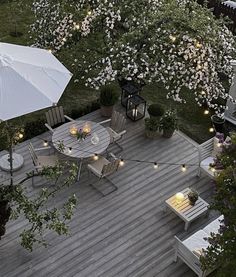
(118, 121)
(33, 155)
(110, 168)
(55, 116)
(206, 149)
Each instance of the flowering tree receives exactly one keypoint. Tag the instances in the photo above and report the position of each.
(177, 43)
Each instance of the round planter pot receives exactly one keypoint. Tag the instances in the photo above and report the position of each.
(168, 133)
(106, 111)
(192, 201)
(218, 123)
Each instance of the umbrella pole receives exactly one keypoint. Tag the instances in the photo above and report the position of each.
(11, 162)
(10, 153)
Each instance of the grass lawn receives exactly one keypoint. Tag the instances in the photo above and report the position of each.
(192, 120)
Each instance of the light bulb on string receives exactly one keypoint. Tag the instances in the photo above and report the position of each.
(45, 143)
(95, 157)
(183, 168)
(20, 135)
(122, 162)
(206, 112)
(89, 13)
(155, 165)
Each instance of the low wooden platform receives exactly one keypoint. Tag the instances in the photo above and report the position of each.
(123, 234)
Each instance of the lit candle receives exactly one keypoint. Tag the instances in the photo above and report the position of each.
(179, 197)
(134, 112)
(73, 130)
(87, 128)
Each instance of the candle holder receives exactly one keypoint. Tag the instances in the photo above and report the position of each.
(73, 131)
(86, 128)
(136, 107)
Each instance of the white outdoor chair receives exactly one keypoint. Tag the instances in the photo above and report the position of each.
(102, 168)
(41, 161)
(55, 116)
(206, 158)
(116, 128)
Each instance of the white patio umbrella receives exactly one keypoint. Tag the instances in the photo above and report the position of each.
(30, 79)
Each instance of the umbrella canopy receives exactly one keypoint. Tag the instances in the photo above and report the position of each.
(31, 79)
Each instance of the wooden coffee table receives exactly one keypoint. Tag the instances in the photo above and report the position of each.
(184, 210)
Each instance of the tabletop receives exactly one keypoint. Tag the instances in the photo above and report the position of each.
(184, 209)
(83, 149)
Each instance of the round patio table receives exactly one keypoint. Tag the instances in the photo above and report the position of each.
(80, 149)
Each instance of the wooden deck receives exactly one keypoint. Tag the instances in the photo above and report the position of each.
(123, 234)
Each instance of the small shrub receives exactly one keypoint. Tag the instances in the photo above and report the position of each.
(34, 128)
(108, 96)
(155, 110)
(151, 124)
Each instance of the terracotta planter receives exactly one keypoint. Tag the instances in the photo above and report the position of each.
(106, 111)
(168, 133)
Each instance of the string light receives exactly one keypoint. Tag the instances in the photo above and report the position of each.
(122, 162)
(155, 165)
(211, 130)
(77, 26)
(183, 168)
(198, 45)
(206, 112)
(89, 13)
(95, 157)
(45, 143)
(199, 66)
(219, 144)
(50, 50)
(64, 39)
(203, 92)
(172, 38)
(20, 135)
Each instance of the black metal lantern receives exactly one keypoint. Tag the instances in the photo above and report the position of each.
(136, 107)
(128, 89)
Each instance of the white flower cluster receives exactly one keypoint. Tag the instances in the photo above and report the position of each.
(175, 42)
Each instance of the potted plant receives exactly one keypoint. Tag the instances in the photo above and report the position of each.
(168, 123)
(108, 98)
(193, 197)
(155, 111)
(218, 123)
(151, 128)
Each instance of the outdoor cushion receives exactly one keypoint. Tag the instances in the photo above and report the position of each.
(198, 252)
(97, 166)
(214, 226)
(47, 160)
(197, 241)
(205, 164)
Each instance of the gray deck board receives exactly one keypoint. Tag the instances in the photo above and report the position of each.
(123, 234)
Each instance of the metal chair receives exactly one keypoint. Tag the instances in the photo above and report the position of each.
(102, 168)
(41, 161)
(55, 116)
(116, 128)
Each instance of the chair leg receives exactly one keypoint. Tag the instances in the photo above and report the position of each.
(199, 172)
(115, 187)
